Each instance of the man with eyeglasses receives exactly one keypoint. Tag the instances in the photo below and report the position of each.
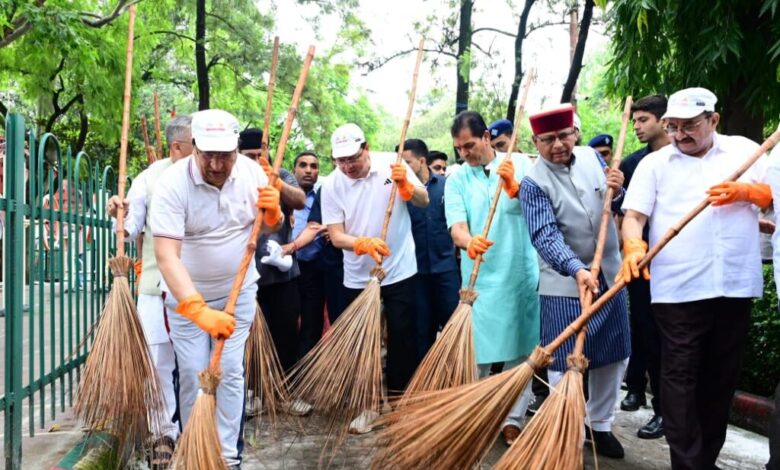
(354, 201)
(562, 198)
(704, 280)
(201, 220)
(505, 315)
(437, 162)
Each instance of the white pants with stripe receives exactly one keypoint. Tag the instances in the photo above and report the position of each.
(151, 312)
(193, 350)
(517, 413)
(603, 392)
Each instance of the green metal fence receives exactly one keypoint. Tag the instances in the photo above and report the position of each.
(56, 244)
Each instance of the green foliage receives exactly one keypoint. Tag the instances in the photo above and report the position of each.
(761, 370)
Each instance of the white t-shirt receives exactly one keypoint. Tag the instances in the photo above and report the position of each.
(773, 178)
(214, 225)
(717, 254)
(360, 205)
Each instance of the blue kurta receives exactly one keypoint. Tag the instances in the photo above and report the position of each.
(506, 313)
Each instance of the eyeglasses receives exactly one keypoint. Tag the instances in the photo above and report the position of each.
(221, 157)
(688, 128)
(550, 139)
(347, 161)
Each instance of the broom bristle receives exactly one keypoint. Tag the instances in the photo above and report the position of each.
(453, 428)
(451, 361)
(553, 439)
(264, 374)
(199, 446)
(120, 391)
(342, 375)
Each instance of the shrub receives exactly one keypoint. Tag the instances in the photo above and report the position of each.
(761, 370)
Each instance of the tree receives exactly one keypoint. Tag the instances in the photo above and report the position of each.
(464, 56)
(579, 53)
(522, 25)
(731, 48)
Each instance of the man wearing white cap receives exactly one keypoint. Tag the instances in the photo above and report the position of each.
(704, 279)
(201, 220)
(354, 200)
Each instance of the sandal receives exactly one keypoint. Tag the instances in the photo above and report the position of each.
(162, 453)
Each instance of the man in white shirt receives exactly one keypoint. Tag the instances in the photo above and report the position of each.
(201, 220)
(354, 201)
(703, 281)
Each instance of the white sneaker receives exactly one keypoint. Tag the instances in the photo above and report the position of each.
(299, 408)
(363, 424)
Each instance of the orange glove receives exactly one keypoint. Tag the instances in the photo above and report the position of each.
(268, 202)
(216, 323)
(138, 267)
(634, 249)
(506, 170)
(268, 172)
(373, 246)
(405, 188)
(478, 246)
(733, 191)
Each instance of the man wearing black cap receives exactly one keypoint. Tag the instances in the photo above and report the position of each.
(602, 143)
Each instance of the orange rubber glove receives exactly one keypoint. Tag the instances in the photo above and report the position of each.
(216, 323)
(506, 170)
(268, 202)
(405, 188)
(478, 246)
(733, 191)
(634, 249)
(138, 267)
(373, 246)
(268, 172)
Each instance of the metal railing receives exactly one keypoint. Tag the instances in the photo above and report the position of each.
(56, 244)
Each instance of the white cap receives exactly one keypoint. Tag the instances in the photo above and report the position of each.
(346, 140)
(689, 103)
(215, 130)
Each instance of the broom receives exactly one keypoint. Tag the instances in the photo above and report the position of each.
(342, 374)
(199, 446)
(451, 360)
(150, 156)
(119, 391)
(157, 126)
(427, 434)
(553, 438)
(264, 374)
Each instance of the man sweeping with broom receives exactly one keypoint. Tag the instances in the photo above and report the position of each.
(562, 199)
(201, 220)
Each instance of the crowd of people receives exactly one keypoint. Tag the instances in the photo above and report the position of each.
(682, 324)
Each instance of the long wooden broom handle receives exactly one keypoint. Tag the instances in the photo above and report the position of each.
(251, 245)
(606, 214)
(157, 127)
(120, 213)
(269, 98)
(404, 128)
(577, 324)
(147, 146)
(519, 110)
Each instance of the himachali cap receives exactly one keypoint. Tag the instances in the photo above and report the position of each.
(689, 103)
(346, 140)
(215, 130)
(550, 120)
(500, 127)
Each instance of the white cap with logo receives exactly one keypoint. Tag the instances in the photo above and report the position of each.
(346, 140)
(689, 103)
(215, 130)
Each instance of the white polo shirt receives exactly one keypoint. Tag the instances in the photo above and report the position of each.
(360, 205)
(213, 225)
(717, 254)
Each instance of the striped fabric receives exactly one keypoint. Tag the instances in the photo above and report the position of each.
(608, 337)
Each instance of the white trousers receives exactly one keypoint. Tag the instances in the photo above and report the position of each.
(603, 392)
(152, 313)
(193, 350)
(517, 413)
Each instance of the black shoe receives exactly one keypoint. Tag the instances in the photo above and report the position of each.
(653, 429)
(534, 406)
(633, 401)
(606, 443)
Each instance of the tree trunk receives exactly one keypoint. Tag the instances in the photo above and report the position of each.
(737, 119)
(521, 27)
(464, 56)
(83, 129)
(201, 68)
(576, 63)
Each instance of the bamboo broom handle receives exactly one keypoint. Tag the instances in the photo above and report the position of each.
(577, 324)
(120, 213)
(251, 246)
(269, 99)
(519, 110)
(404, 128)
(147, 146)
(606, 214)
(157, 130)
